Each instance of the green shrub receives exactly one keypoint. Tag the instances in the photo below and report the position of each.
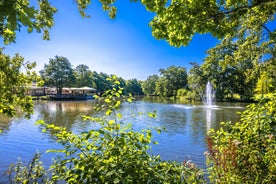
(182, 94)
(246, 152)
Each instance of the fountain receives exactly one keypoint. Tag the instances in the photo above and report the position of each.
(208, 102)
(209, 95)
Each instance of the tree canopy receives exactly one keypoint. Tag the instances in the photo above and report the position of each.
(134, 87)
(149, 86)
(58, 73)
(37, 16)
(178, 20)
(171, 79)
(84, 76)
(15, 77)
(175, 20)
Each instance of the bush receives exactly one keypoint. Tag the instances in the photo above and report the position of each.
(182, 94)
(246, 152)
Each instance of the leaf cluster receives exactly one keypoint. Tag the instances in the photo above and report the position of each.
(177, 21)
(15, 78)
(18, 13)
(37, 16)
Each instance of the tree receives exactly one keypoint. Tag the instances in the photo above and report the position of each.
(133, 87)
(267, 79)
(236, 61)
(178, 20)
(15, 14)
(175, 21)
(102, 84)
(84, 76)
(174, 78)
(242, 24)
(264, 84)
(196, 82)
(58, 73)
(161, 87)
(16, 75)
(149, 85)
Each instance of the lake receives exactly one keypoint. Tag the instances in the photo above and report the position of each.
(186, 127)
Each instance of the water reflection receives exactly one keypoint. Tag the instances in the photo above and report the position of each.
(5, 122)
(65, 113)
(210, 117)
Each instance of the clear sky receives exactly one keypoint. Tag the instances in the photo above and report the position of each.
(124, 46)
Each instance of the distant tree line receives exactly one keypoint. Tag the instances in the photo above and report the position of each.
(60, 73)
(230, 80)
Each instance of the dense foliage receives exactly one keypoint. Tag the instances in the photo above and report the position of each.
(246, 152)
(58, 73)
(16, 76)
(133, 87)
(171, 79)
(36, 16)
(228, 75)
(84, 76)
(149, 85)
(177, 21)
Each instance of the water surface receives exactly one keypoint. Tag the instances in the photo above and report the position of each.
(186, 127)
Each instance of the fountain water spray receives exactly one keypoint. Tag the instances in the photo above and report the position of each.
(209, 94)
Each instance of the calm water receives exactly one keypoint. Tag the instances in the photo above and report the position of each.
(186, 127)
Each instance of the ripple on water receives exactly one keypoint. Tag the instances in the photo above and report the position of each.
(21, 141)
(183, 106)
(186, 126)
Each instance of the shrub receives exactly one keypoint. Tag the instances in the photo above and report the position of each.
(182, 94)
(246, 152)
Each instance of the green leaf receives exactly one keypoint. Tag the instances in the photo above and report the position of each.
(12, 20)
(118, 94)
(107, 100)
(129, 100)
(108, 112)
(152, 115)
(118, 103)
(111, 122)
(116, 180)
(40, 122)
(119, 115)
(25, 19)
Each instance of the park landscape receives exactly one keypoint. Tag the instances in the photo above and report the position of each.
(114, 138)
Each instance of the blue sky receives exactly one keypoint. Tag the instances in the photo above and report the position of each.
(124, 46)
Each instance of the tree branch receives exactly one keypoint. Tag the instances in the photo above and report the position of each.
(258, 3)
(266, 28)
